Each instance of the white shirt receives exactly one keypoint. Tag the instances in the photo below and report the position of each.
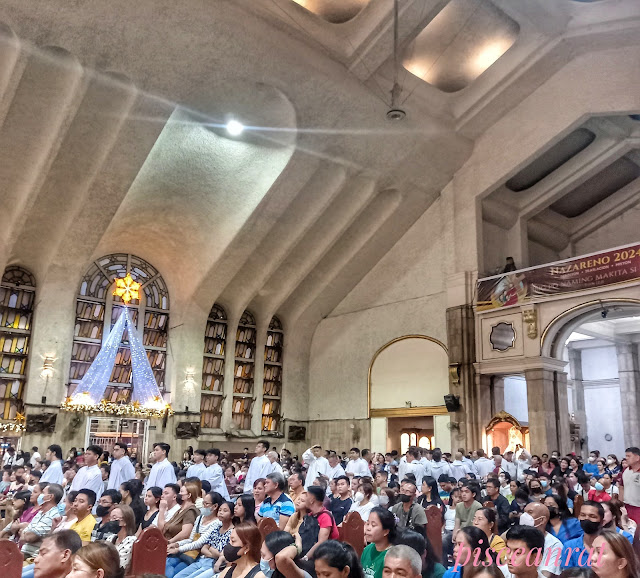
(53, 473)
(276, 468)
(471, 465)
(439, 468)
(510, 468)
(34, 458)
(258, 468)
(122, 470)
(161, 474)
(484, 466)
(426, 466)
(215, 476)
(196, 470)
(88, 478)
(316, 466)
(364, 511)
(459, 469)
(333, 473)
(414, 468)
(551, 546)
(359, 468)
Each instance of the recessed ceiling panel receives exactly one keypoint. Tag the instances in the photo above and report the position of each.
(587, 195)
(460, 43)
(334, 11)
(550, 160)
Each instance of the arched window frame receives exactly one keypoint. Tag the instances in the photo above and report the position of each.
(244, 370)
(97, 310)
(17, 302)
(272, 382)
(215, 344)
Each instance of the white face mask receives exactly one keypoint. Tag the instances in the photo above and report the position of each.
(526, 519)
(384, 500)
(592, 459)
(359, 497)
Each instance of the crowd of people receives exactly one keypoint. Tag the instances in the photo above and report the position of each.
(499, 515)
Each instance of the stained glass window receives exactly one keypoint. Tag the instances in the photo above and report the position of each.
(272, 376)
(17, 300)
(244, 372)
(215, 340)
(97, 311)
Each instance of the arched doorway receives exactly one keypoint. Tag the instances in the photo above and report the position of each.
(599, 341)
(408, 379)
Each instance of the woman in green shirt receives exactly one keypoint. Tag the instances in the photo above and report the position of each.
(380, 532)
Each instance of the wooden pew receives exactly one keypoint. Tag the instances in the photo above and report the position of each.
(10, 560)
(434, 529)
(149, 553)
(352, 532)
(577, 505)
(636, 542)
(266, 526)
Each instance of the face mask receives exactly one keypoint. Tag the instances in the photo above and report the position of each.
(610, 461)
(535, 490)
(592, 459)
(404, 498)
(231, 553)
(553, 512)
(40, 499)
(589, 526)
(206, 512)
(359, 496)
(526, 519)
(178, 499)
(544, 483)
(384, 500)
(599, 486)
(102, 510)
(265, 568)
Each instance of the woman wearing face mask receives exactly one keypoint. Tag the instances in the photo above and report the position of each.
(388, 497)
(244, 510)
(380, 532)
(97, 559)
(152, 501)
(535, 487)
(613, 557)
(520, 500)
(598, 493)
(69, 518)
(505, 485)
(362, 500)
(562, 524)
(183, 553)
(278, 557)
(485, 519)
(613, 465)
(333, 559)
(123, 541)
(565, 466)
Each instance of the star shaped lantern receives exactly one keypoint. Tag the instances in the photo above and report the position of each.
(127, 289)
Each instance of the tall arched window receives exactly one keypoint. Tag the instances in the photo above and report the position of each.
(17, 299)
(215, 340)
(243, 371)
(97, 311)
(272, 376)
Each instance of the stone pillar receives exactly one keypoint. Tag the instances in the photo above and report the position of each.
(258, 377)
(497, 395)
(575, 363)
(629, 378)
(548, 407)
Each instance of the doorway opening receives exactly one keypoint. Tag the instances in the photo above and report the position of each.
(105, 432)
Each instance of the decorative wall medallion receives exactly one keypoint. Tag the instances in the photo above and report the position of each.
(503, 336)
(608, 437)
(530, 317)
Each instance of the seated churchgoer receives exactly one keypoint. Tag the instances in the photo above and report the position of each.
(152, 499)
(23, 513)
(56, 553)
(403, 561)
(409, 514)
(591, 520)
(469, 542)
(244, 509)
(431, 567)
(318, 525)
(339, 506)
(380, 533)
(363, 501)
(104, 528)
(613, 519)
(276, 504)
(486, 520)
(613, 557)
(562, 524)
(175, 520)
(99, 559)
(525, 545)
(85, 522)
(69, 516)
(333, 558)
(42, 523)
(300, 504)
(278, 555)
(123, 540)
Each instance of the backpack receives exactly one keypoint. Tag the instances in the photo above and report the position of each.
(309, 530)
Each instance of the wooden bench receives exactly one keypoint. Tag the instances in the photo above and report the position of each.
(266, 526)
(577, 505)
(149, 553)
(10, 560)
(434, 529)
(352, 532)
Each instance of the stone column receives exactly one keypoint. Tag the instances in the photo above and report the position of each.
(629, 378)
(497, 395)
(548, 407)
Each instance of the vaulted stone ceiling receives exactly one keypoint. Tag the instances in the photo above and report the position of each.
(112, 133)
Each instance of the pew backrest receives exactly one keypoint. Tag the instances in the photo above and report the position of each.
(149, 553)
(353, 532)
(266, 526)
(577, 505)
(10, 560)
(434, 529)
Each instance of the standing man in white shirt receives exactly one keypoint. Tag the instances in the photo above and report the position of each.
(122, 469)
(197, 469)
(259, 466)
(35, 456)
(316, 464)
(357, 467)
(162, 472)
(483, 464)
(335, 468)
(89, 477)
(508, 466)
(413, 466)
(275, 465)
(214, 474)
(53, 474)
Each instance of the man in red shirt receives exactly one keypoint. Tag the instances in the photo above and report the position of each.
(318, 525)
(630, 484)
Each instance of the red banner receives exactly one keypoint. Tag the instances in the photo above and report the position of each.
(620, 265)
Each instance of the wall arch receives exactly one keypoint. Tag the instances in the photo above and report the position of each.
(408, 368)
